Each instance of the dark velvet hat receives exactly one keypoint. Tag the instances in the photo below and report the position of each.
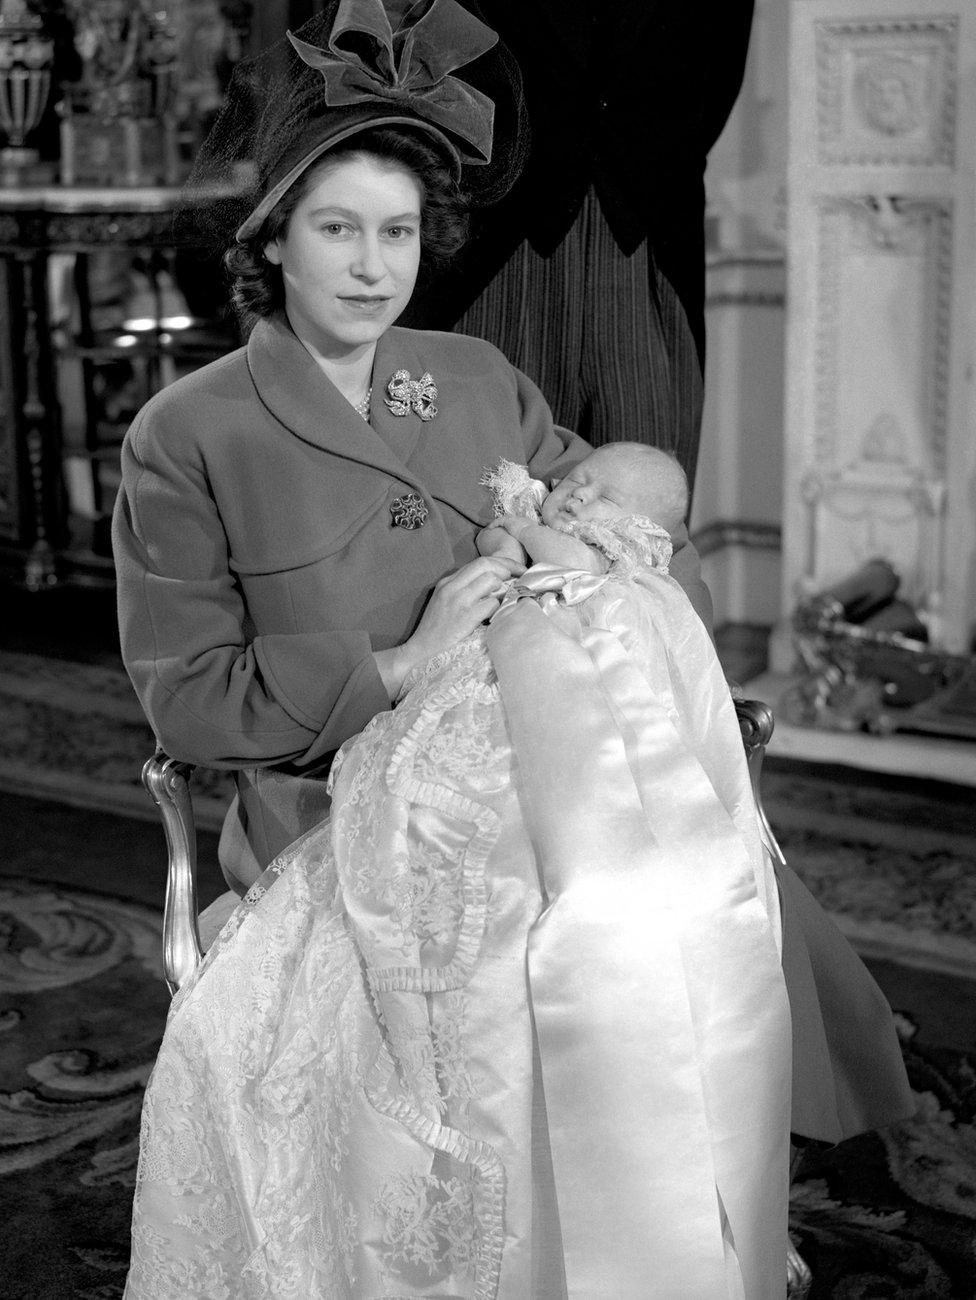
(362, 64)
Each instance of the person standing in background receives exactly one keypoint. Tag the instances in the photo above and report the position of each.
(590, 274)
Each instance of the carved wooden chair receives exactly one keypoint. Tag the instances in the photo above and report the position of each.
(167, 782)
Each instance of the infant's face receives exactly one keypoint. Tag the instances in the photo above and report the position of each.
(596, 488)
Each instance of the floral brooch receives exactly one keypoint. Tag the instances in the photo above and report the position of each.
(406, 394)
(409, 511)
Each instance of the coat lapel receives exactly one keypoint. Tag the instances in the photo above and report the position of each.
(412, 451)
(298, 393)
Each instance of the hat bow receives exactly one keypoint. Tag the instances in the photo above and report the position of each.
(409, 65)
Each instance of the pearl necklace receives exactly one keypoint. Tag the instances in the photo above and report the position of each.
(363, 407)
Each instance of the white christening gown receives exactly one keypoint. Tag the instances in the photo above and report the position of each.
(511, 1023)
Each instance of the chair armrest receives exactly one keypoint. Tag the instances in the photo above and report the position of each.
(166, 781)
(756, 726)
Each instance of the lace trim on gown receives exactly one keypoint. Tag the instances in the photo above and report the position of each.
(513, 490)
(631, 544)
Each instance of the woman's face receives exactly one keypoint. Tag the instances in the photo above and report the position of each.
(349, 254)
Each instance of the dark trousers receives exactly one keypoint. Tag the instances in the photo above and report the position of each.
(603, 335)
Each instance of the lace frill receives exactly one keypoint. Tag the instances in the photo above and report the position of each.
(631, 544)
(513, 490)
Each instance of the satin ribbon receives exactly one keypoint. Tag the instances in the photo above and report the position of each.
(657, 993)
(551, 586)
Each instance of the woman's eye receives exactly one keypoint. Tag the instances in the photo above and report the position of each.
(399, 232)
(333, 228)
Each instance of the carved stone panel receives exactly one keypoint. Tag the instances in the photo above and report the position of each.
(886, 91)
(874, 469)
(882, 324)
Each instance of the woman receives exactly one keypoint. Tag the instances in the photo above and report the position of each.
(294, 534)
(270, 603)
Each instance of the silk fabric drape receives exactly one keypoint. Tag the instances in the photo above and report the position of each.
(654, 970)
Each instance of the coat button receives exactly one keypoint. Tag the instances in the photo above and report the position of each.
(409, 511)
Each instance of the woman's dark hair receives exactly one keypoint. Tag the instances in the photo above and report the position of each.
(256, 284)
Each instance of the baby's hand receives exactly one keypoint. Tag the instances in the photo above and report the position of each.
(515, 525)
(498, 539)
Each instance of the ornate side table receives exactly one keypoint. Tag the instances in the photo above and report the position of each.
(58, 348)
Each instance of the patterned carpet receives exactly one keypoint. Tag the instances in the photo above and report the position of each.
(75, 732)
(893, 859)
(893, 1214)
(81, 1009)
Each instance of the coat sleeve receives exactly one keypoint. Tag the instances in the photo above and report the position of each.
(212, 695)
(685, 568)
(550, 451)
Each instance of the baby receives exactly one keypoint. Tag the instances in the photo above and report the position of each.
(619, 488)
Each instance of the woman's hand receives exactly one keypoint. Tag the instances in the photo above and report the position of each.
(459, 604)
